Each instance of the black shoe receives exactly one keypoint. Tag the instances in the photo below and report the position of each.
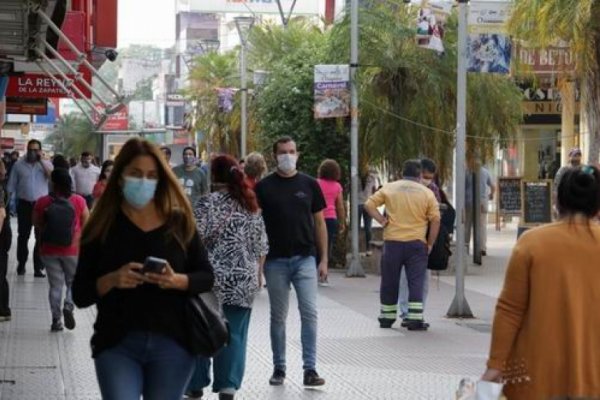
(194, 394)
(404, 323)
(226, 396)
(69, 318)
(417, 325)
(311, 378)
(5, 316)
(56, 326)
(21, 270)
(385, 323)
(39, 274)
(278, 377)
(483, 253)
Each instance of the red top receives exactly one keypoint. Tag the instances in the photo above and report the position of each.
(99, 188)
(73, 250)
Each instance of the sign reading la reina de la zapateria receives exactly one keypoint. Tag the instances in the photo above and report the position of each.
(40, 85)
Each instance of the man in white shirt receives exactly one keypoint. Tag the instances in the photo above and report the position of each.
(85, 175)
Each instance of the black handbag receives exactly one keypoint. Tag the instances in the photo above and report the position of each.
(207, 326)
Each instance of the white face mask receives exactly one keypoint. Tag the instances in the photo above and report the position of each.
(426, 182)
(286, 163)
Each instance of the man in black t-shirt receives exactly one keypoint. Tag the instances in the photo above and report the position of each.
(292, 205)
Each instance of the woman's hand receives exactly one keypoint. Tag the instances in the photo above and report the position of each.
(492, 375)
(127, 277)
(168, 279)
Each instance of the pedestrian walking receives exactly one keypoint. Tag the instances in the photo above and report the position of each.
(486, 194)
(29, 181)
(100, 186)
(428, 171)
(411, 211)
(59, 161)
(574, 162)
(5, 243)
(233, 231)
(167, 154)
(193, 180)
(85, 175)
(334, 213)
(293, 205)
(59, 217)
(141, 343)
(369, 183)
(255, 168)
(544, 342)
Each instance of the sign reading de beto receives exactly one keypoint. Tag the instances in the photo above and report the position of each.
(40, 85)
(547, 61)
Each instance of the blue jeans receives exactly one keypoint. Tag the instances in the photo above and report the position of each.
(302, 273)
(147, 364)
(230, 362)
(367, 224)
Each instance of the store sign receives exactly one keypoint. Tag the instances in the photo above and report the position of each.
(118, 121)
(548, 61)
(545, 108)
(7, 143)
(303, 7)
(40, 85)
(22, 105)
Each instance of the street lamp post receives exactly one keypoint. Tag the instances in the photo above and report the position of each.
(243, 25)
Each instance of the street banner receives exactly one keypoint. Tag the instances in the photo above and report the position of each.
(225, 98)
(489, 45)
(431, 22)
(332, 91)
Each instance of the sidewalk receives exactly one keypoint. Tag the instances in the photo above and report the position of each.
(358, 359)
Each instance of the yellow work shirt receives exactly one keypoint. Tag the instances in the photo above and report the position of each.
(409, 206)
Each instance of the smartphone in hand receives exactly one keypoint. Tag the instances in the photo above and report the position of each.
(155, 265)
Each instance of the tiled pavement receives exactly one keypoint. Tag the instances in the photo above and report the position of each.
(359, 360)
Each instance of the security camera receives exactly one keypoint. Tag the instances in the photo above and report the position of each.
(111, 55)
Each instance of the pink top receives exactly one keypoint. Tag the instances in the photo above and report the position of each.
(331, 190)
(73, 250)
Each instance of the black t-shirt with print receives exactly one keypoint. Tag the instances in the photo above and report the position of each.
(288, 205)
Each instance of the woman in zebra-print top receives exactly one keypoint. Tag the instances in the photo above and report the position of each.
(233, 232)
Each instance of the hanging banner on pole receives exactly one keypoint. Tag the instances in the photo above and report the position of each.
(489, 45)
(431, 23)
(332, 91)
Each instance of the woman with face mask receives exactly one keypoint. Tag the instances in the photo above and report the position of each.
(141, 345)
(105, 171)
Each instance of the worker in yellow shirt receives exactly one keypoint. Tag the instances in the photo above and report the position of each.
(411, 208)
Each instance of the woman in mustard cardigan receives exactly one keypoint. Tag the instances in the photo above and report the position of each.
(546, 333)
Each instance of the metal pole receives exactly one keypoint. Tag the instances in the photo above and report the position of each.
(244, 101)
(460, 307)
(355, 268)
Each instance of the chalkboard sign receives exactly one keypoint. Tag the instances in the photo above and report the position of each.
(509, 196)
(537, 202)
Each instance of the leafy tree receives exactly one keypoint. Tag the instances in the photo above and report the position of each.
(543, 23)
(73, 135)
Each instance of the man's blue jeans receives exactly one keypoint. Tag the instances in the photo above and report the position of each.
(144, 363)
(301, 272)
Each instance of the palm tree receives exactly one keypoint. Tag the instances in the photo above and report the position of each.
(544, 23)
(212, 72)
(74, 134)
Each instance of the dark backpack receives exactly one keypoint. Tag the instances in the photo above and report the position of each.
(440, 253)
(59, 222)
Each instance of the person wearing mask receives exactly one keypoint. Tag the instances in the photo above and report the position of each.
(5, 243)
(141, 345)
(552, 355)
(105, 171)
(255, 168)
(411, 226)
(29, 180)
(329, 180)
(293, 205)
(85, 175)
(167, 153)
(59, 246)
(192, 179)
(369, 183)
(428, 171)
(232, 229)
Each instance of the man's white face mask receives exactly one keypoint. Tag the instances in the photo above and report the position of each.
(286, 163)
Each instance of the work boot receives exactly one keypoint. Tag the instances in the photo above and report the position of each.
(416, 325)
(385, 323)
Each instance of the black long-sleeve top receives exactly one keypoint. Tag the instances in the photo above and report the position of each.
(147, 307)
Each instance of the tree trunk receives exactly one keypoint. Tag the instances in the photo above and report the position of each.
(591, 93)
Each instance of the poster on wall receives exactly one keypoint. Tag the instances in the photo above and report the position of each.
(332, 91)
(431, 22)
(489, 45)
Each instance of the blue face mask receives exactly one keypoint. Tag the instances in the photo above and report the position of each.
(139, 192)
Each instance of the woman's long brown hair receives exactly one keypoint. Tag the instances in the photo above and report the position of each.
(171, 202)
